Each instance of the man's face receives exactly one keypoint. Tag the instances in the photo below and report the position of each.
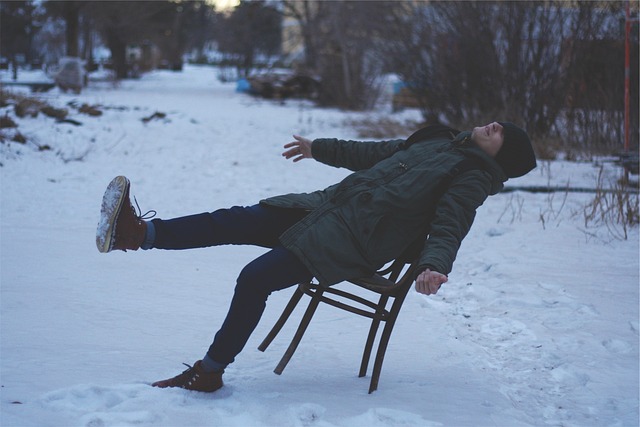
(489, 137)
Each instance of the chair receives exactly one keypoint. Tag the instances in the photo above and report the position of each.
(394, 287)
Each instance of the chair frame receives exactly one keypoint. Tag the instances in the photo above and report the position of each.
(393, 287)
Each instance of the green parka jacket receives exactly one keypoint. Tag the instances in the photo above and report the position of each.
(376, 213)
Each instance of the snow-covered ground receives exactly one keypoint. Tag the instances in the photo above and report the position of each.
(538, 324)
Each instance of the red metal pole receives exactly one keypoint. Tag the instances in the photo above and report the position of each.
(627, 72)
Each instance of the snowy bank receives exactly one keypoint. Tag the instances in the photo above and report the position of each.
(538, 324)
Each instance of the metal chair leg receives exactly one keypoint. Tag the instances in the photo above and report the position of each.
(384, 342)
(306, 319)
(291, 305)
(373, 330)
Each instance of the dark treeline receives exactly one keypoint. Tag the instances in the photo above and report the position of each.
(556, 67)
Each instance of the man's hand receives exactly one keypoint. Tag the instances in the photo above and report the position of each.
(298, 149)
(428, 282)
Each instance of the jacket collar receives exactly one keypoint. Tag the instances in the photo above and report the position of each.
(469, 148)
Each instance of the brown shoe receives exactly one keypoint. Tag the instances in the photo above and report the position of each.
(120, 227)
(194, 378)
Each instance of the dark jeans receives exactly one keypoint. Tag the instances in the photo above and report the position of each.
(275, 270)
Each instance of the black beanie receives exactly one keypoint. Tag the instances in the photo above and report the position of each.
(516, 156)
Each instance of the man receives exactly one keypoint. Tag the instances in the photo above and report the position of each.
(421, 193)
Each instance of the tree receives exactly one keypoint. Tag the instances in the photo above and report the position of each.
(307, 14)
(70, 12)
(170, 25)
(185, 25)
(254, 28)
(339, 41)
(472, 62)
(19, 23)
(595, 102)
(123, 23)
(199, 24)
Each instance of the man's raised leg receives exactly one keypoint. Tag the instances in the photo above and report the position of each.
(120, 227)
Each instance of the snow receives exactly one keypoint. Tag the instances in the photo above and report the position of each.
(538, 324)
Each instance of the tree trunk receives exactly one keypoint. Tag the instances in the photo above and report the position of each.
(118, 50)
(71, 17)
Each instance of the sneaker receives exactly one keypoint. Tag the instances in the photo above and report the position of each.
(194, 378)
(120, 227)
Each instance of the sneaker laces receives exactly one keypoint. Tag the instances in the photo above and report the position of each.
(144, 216)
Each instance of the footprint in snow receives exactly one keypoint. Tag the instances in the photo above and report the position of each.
(495, 232)
(617, 346)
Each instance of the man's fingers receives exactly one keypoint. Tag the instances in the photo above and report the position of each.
(301, 147)
(294, 150)
(423, 287)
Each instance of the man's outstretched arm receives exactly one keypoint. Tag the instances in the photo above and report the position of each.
(353, 155)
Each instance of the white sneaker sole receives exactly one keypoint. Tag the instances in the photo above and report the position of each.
(111, 205)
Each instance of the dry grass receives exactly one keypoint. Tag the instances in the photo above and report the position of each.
(616, 209)
(383, 128)
(30, 107)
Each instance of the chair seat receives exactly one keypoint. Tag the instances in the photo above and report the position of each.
(376, 283)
